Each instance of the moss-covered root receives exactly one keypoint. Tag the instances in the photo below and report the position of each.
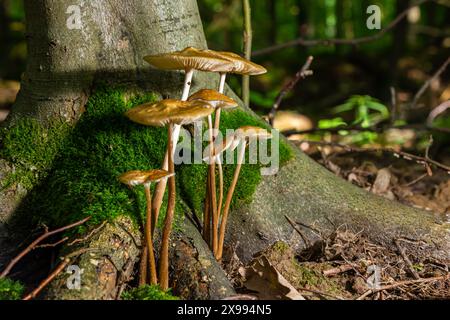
(147, 292)
(106, 266)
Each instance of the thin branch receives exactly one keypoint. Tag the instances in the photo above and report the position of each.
(425, 86)
(51, 276)
(404, 155)
(52, 245)
(437, 111)
(301, 74)
(334, 271)
(36, 242)
(402, 283)
(402, 252)
(294, 225)
(329, 42)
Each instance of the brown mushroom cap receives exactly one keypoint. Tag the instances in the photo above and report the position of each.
(252, 132)
(169, 111)
(138, 177)
(214, 98)
(229, 142)
(190, 58)
(240, 64)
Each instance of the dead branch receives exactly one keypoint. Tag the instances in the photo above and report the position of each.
(36, 242)
(51, 276)
(402, 283)
(437, 111)
(335, 271)
(402, 252)
(294, 225)
(301, 74)
(329, 42)
(395, 153)
(426, 85)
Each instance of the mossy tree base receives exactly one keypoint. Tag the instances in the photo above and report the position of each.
(81, 142)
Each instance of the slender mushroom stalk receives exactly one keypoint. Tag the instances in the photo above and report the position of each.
(218, 101)
(145, 178)
(223, 224)
(143, 266)
(169, 112)
(164, 255)
(242, 135)
(189, 59)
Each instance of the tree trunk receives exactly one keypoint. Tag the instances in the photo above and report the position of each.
(62, 67)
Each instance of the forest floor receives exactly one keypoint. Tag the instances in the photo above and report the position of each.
(344, 264)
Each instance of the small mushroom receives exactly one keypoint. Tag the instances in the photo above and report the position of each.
(229, 143)
(145, 178)
(189, 60)
(218, 101)
(169, 112)
(243, 135)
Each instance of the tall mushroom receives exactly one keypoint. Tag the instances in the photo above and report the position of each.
(145, 178)
(189, 59)
(218, 101)
(243, 134)
(169, 112)
(240, 66)
(230, 143)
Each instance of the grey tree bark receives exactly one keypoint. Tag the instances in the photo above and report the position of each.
(114, 36)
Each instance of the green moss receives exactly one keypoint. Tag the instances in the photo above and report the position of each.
(10, 290)
(148, 293)
(86, 160)
(192, 178)
(280, 247)
(31, 148)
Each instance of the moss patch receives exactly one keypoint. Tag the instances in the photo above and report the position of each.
(86, 160)
(193, 190)
(148, 293)
(10, 290)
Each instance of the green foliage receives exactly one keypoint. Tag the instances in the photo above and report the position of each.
(10, 290)
(367, 110)
(148, 293)
(331, 123)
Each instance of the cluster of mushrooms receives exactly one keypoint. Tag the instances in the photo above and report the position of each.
(173, 114)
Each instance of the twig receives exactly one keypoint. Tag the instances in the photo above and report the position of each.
(320, 293)
(404, 155)
(377, 129)
(247, 44)
(437, 111)
(301, 74)
(329, 42)
(425, 86)
(51, 276)
(402, 252)
(402, 283)
(89, 235)
(36, 242)
(394, 111)
(47, 280)
(293, 224)
(51, 245)
(334, 271)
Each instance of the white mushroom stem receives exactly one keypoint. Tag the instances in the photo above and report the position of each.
(219, 203)
(226, 209)
(148, 236)
(161, 187)
(223, 77)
